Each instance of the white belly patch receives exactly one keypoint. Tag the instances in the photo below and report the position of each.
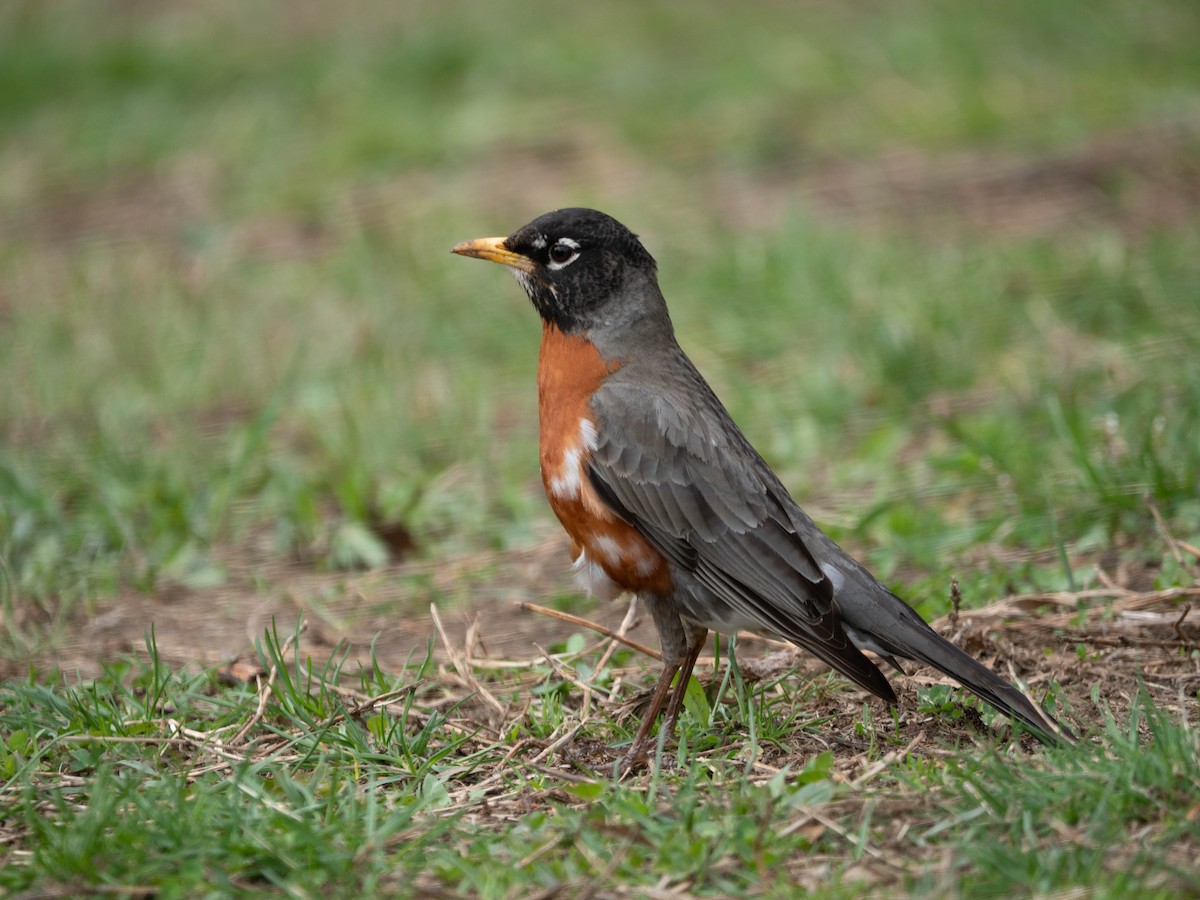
(590, 576)
(567, 481)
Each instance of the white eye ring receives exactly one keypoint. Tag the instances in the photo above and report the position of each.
(564, 252)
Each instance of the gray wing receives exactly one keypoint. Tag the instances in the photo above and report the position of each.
(690, 483)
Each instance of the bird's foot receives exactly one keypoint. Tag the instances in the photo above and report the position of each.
(630, 764)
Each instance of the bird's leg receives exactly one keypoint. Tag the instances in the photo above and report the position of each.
(637, 750)
(681, 645)
(695, 644)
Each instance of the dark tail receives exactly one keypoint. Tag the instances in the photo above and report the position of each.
(938, 652)
(891, 627)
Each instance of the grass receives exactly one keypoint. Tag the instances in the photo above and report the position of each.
(939, 263)
(142, 778)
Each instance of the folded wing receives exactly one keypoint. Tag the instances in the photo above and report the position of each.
(690, 483)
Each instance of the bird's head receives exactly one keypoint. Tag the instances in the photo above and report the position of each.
(580, 267)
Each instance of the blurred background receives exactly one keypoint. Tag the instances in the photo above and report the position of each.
(939, 259)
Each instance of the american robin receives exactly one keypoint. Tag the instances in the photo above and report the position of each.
(663, 496)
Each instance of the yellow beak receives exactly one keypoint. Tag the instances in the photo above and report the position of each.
(493, 250)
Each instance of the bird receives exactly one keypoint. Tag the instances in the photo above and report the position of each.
(662, 495)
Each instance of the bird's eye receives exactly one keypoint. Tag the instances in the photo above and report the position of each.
(563, 252)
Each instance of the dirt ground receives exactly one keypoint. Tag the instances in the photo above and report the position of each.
(1108, 642)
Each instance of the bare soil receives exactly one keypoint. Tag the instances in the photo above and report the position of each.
(1140, 181)
(1108, 642)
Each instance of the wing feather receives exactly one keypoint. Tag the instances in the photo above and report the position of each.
(691, 484)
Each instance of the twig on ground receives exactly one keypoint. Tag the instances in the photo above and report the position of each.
(460, 666)
(1105, 579)
(565, 675)
(264, 687)
(1125, 601)
(837, 829)
(568, 735)
(886, 761)
(586, 623)
(1187, 608)
(743, 636)
(1163, 529)
(622, 630)
(365, 704)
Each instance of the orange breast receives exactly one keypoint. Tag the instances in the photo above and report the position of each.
(570, 369)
